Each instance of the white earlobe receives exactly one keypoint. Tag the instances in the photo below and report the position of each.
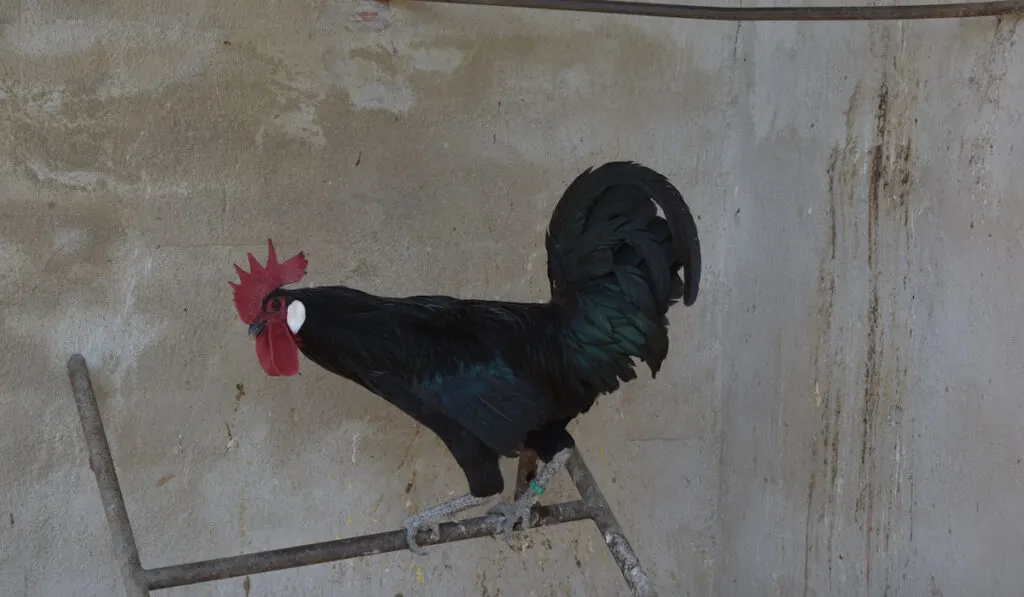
(296, 316)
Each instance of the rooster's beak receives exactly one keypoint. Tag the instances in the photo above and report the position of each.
(256, 327)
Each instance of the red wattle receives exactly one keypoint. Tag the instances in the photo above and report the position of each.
(277, 351)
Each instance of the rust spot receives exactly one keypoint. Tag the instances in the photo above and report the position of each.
(871, 376)
(888, 169)
(833, 465)
(163, 480)
(867, 546)
(807, 534)
(877, 180)
(833, 162)
(484, 591)
(843, 178)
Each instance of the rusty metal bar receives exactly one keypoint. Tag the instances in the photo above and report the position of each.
(355, 547)
(957, 10)
(524, 472)
(139, 581)
(126, 553)
(611, 531)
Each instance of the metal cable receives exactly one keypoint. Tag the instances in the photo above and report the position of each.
(959, 10)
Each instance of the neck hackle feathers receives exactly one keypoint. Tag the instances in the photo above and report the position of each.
(254, 286)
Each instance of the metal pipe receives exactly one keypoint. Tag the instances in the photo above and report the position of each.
(639, 584)
(354, 547)
(139, 582)
(958, 10)
(126, 553)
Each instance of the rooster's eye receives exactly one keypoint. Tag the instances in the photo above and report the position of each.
(275, 305)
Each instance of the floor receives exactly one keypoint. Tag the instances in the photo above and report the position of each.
(840, 411)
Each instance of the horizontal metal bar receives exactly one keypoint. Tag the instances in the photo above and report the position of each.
(126, 553)
(138, 581)
(957, 10)
(343, 549)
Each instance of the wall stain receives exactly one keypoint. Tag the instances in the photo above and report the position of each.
(985, 79)
(843, 177)
(871, 382)
(243, 508)
(870, 179)
(991, 66)
(889, 255)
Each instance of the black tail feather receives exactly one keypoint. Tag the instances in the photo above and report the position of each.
(581, 204)
(614, 267)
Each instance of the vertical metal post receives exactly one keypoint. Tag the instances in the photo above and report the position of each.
(639, 584)
(527, 466)
(102, 464)
(138, 582)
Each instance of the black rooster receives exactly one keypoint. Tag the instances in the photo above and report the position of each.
(491, 377)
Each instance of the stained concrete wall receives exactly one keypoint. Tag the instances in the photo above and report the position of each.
(839, 413)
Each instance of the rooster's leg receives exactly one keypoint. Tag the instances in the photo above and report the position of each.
(480, 465)
(518, 512)
(430, 518)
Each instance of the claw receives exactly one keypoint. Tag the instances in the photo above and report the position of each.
(413, 525)
(432, 517)
(516, 513)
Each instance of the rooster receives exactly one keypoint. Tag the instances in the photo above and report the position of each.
(490, 377)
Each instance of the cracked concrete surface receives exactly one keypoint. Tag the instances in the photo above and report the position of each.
(839, 413)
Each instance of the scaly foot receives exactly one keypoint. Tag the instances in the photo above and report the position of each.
(519, 513)
(413, 525)
(432, 517)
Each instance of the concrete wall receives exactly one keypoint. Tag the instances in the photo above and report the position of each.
(840, 410)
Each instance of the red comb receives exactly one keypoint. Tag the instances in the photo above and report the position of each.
(255, 285)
